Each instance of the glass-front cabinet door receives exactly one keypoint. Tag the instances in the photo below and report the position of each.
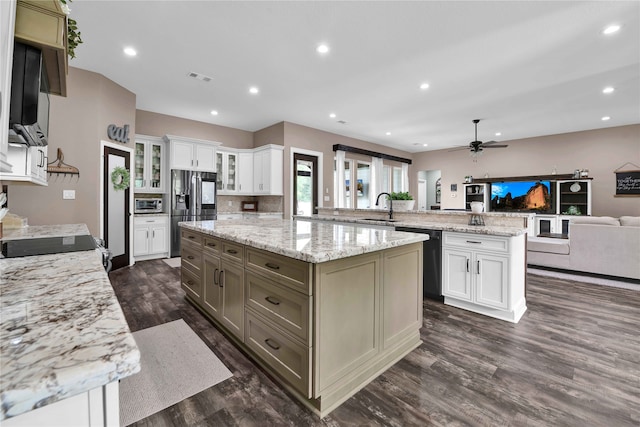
(148, 170)
(226, 172)
(232, 161)
(155, 166)
(139, 165)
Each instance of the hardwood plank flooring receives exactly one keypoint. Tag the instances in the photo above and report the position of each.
(573, 360)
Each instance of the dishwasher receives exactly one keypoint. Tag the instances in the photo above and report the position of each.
(431, 262)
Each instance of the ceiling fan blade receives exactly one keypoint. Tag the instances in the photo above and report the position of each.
(465, 147)
(495, 146)
(489, 142)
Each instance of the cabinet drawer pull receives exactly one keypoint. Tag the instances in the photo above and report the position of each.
(478, 267)
(232, 251)
(191, 237)
(473, 241)
(271, 343)
(189, 282)
(273, 300)
(215, 277)
(221, 278)
(272, 266)
(190, 257)
(211, 245)
(467, 265)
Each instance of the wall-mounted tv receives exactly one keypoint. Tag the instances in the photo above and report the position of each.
(523, 196)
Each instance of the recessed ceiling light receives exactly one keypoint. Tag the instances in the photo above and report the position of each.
(214, 113)
(611, 29)
(388, 133)
(608, 89)
(425, 145)
(253, 90)
(498, 133)
(332, 115)
(605, 118)
(424, 86)
(129, 51)
(323, 48)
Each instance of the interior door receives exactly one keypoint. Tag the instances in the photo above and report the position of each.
(305, 184)
(116, 209)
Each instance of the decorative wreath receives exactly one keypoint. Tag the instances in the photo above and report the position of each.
(120, 178)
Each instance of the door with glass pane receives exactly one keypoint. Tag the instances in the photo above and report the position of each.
(155, 166)
(116, 208)
(138, 175)
(305, 184)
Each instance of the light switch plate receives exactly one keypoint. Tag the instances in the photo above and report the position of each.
(69, 194)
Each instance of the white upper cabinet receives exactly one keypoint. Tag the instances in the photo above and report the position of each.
(29, 164)
(192, 154)
(245, 175)
(149, 168)
(227, 171)
(267, 170)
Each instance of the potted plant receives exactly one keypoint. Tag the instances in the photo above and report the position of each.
(402, 201)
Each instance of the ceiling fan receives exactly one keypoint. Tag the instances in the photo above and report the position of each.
(475, 146)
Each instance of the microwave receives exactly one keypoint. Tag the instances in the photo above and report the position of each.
(148, 205)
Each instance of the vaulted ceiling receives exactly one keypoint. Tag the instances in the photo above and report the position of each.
(526, 68)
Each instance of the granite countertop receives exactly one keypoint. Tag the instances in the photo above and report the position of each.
(62, 331)
(36, 231)
(426, 224)
(309, 241)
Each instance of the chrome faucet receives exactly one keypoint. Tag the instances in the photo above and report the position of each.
(390, 204)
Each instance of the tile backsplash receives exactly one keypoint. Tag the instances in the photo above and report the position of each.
(265, 203)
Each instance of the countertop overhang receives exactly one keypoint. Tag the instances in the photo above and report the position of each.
(62, 331)
(309, 241)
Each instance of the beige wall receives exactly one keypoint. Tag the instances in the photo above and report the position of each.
(155, 124)
(601, 151)
(77, 125)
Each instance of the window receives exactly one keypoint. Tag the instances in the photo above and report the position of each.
(397, 180)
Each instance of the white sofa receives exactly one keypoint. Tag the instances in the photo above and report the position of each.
(601, 245)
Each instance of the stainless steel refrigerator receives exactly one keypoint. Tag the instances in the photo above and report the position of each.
(193, 198)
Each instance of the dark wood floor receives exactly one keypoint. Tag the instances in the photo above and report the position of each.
(573, 360)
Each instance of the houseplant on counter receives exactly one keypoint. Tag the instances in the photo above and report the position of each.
(402, 201)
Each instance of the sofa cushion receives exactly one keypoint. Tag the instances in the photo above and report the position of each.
(600, 220)
(630, 221)
(553, 246)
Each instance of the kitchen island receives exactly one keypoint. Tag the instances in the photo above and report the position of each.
(325, 308)
(64, 340)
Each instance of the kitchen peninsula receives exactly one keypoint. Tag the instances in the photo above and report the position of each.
(64, 340)
(325, 308)
(483, 266)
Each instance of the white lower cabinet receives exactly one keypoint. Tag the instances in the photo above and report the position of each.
(485, 274)
(150, 237)
(96, 407)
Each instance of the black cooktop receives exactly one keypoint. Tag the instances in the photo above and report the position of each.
(47, 245)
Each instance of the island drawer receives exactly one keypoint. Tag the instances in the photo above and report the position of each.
(191, 237)
(286, 308)
(233, 251)
(212, 245)
(191, 283)
(192, 256)
(283, 270)
(476, 242)
(285, 356)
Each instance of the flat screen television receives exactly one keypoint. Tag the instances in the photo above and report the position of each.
(523, 196)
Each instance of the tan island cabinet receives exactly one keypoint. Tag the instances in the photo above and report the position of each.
(323, 329)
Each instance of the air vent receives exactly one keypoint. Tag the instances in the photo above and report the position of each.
(199, 76)
(342, 122)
